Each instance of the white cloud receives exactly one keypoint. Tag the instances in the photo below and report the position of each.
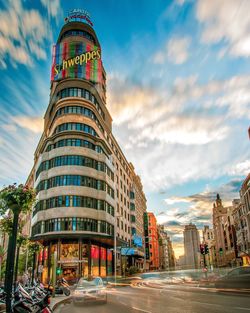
(227, 21)
(23, 34)
(174, 200)
(53, 7)
(184, 130)
(180, 2)
(241, 168)
(176, 51)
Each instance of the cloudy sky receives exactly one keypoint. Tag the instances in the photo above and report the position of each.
(178, 91)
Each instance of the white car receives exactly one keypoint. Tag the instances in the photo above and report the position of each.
(90, 290)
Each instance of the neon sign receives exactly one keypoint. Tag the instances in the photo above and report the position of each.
(76, 60)
(78, 15)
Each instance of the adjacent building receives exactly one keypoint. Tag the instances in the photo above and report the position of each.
(84, 182)
(241, 215)
(171, 255)
(219, 211)
(163, 248)
(152, 241)
(191, 246)
(208, 239)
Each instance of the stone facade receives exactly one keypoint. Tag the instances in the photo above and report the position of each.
(83, 180)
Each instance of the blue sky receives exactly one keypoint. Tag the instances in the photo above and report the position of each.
(178, 92)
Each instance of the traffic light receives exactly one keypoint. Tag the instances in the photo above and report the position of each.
(58, 271)
(221, 251)
(202, 249)
(206, 249)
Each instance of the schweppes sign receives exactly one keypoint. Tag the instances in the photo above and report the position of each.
(76, 60)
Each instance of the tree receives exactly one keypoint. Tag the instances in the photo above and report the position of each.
(14, 199)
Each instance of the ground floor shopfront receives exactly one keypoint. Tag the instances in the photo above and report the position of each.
(74, 259)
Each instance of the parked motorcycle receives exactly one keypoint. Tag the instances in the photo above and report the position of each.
(62, 287)
(35, 300)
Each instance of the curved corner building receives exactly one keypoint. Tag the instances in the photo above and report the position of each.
(80, 173)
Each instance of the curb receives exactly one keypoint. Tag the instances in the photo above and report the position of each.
(63, 301)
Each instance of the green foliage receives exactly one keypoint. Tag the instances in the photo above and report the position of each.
(34, 247)
(22, 261)
(133, 270)
(17, 197)
(22, 240)
(2, 252)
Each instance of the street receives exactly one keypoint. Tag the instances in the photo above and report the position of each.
(171, 299)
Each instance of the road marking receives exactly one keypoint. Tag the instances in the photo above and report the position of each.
(135, 308)
(239, 308)
(212, 304)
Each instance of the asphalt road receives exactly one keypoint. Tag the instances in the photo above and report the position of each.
(171, 299)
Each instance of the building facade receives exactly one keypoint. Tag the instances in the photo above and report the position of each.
(171, 255)
(191, 246)
(152, 241)
(219, 211)
(241, 216)
(225, 239)
(82, 178)
(163, 248)
(208, 239)
(231, 252)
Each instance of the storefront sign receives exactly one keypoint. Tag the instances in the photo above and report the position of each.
(78, 15)
(137, 240)
(127, 251)
(69, 252)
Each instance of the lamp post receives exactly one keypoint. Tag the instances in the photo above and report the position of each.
(115, 244)
(144, 260)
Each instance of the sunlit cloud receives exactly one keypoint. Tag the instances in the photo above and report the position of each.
(217, 17)
(34, 124)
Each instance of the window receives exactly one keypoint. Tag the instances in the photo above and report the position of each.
(74, 160)
(75, 126)
(72, 224)
(81, 93)
(74, 180)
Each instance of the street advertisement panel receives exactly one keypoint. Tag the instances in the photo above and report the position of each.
(109, 261)
(103, 261)
(94, 260)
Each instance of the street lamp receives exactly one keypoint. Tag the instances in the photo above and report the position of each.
(115, 244)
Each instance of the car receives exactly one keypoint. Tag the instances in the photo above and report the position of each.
(90, 290)
(236, 278)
